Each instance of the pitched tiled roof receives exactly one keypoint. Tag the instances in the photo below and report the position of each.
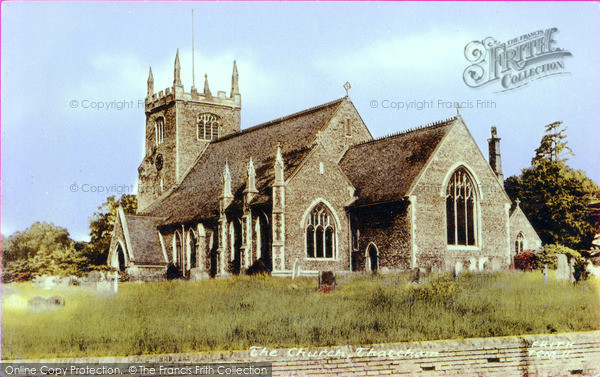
(197, 197)
(383, 170)
(145, 243)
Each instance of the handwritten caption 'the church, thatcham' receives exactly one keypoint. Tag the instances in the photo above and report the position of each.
(305, 353)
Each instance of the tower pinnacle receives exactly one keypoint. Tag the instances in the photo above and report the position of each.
(227, 182)
(279, 167)
(150, 83)
(177, 72)
(235, 87)
(206, 88)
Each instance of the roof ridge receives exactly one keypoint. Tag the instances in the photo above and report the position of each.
(432, 125)
(278, 120)
(144, 216)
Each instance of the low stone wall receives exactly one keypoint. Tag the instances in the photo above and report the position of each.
(536, 355)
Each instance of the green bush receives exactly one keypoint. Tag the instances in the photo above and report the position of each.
(548, 255)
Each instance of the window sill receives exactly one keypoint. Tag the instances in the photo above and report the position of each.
(462, 247)
(320, 259)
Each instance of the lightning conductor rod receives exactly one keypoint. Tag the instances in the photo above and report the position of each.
(193, 74)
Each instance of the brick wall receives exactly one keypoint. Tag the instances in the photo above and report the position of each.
(535, 355)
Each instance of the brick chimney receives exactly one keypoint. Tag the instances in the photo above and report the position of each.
(494, 155)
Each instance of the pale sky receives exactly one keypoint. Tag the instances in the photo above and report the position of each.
(60, 59)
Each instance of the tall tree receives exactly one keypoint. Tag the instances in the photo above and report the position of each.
(102, 224)
(553, 145)
(561, 203)
(43, 248)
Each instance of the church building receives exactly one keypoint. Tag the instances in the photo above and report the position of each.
(308, 192)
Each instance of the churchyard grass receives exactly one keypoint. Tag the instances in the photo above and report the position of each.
(240, 312)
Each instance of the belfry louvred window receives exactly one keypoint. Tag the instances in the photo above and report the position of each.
(208, 127)
(159, 130)
(320, 233)
(461, 207)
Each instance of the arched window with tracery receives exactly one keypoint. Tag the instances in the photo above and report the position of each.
(208, 127)
(178, 252)
(461, 207)
(520, 243)
(320, 233)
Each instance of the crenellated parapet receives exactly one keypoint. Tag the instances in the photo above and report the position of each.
(176, 93)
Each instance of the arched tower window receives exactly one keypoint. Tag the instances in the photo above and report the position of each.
(320, 233)
(520, 243)
(159, 130)
(208, 127)
(461, 206)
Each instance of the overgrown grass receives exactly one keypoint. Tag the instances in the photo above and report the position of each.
(240, 312)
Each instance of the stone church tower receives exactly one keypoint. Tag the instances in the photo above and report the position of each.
(179, 127)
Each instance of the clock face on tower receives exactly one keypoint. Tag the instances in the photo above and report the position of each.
(159, 161)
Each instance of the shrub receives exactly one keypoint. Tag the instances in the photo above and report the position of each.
(258, 267)
(580, 272)
(525, 261)
(173, 272)
(548, 255)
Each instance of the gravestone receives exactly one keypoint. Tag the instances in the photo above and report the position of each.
(483, 264)
(545, 274)
(326, 281)
(428, 269)
(562, 271)
(39, 303)
(473, 265)
(457, 269)
(197, 273)
(415, 275)
(496, 265)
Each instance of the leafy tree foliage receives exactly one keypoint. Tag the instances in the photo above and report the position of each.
(102, 224)
(46, 249)
(549, 253)
(43, 249)
(561, 203)
(553, 144)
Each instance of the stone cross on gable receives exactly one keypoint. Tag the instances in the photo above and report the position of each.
(347, 86)
(458, 108)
